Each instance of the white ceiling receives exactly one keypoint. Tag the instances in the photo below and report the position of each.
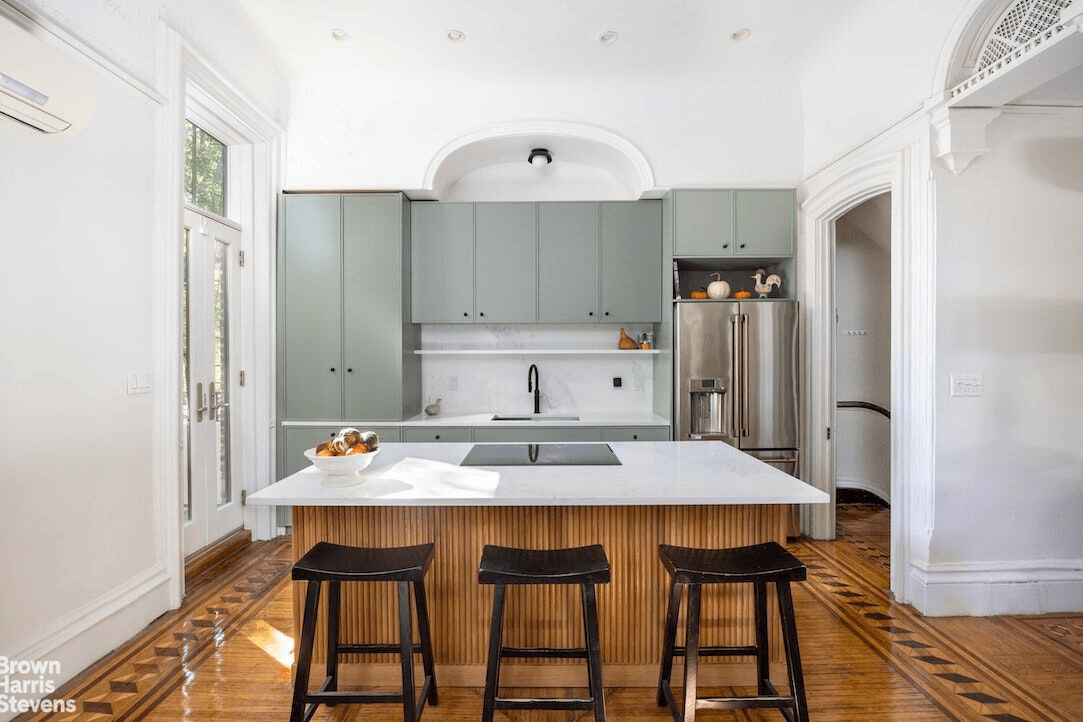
(552, 38)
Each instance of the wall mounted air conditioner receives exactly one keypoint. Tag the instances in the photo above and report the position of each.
(41, 87)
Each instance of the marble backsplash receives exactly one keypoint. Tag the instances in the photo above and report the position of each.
(569, 383)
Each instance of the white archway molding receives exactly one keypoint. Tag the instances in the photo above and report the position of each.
(899, 165)
(506, 142)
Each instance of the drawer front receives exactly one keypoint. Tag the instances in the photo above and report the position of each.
(635, 433)
(436, 433)
(537, 434)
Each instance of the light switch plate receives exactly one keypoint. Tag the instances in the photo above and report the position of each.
(139, 382)
(966, 385)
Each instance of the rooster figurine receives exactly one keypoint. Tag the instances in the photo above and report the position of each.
(764, 287)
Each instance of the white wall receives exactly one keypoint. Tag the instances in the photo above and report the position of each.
(692, 131)
(1009, 465)
(863, 357)
(874, 68)
(83, 566)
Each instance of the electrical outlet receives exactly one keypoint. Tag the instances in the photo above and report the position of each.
(452, 383)
(855, 332)
(616, 382)
(139, 382)
(966, 385)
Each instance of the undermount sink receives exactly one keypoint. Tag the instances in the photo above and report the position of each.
(534, 417)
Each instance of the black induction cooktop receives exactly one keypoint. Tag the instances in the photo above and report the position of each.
(540, 455)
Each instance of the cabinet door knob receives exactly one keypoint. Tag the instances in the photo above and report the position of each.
(332, 369)
(635, 437)
(437, 437)
(482, 313)
(725, 245)
(590, 313)
(467, 315)
(349, 371)
(607, 313)
(742, 245)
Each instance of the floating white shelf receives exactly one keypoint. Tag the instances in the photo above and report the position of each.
(532, 352)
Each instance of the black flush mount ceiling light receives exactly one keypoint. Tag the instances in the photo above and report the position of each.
(540, 156)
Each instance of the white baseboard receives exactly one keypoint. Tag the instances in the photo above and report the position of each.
(989, 588)
(852, 482)
(87, 633)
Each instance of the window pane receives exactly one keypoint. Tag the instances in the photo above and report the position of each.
(221, 372)
(185, 368)
(204, 170)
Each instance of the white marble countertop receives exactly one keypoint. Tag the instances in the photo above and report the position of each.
(650, 473)
(583, 418)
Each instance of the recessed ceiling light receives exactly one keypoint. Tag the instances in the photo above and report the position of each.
(456, 36)
(609, 37)
(340, 35)
(740, 34)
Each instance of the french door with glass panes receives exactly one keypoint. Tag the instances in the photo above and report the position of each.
(212, 500)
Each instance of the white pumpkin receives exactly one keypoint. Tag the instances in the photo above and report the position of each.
(718, 288)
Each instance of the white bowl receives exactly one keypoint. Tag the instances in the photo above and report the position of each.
(340, 465)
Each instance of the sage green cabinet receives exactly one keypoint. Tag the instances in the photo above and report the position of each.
(536, 434)
(436, 433)
(568, 262)
(442, 251)
(717, 223)
(345, 338)
(310, 308)
(631, 251)
(764, 222)
(599, 262)
(296, 439)
(505, 263)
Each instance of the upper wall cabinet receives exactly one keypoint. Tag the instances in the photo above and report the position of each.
(344, 309)
(568, 259)
(573, 262)
(717, 223)
(631, 284)
(505, 262)
(443, 262)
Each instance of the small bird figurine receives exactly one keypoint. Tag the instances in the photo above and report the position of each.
(434, 408)
(763, 288)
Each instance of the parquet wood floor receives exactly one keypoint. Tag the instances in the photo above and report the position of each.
(226, 654)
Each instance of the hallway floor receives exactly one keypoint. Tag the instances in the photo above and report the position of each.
(226, 654)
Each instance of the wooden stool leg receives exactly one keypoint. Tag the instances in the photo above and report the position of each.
(691, 651)
(669, 642)
(304, 654)
(406, 650)
(594, 650)
(763, 668)
(422, 606)
(793, 654)
(334, 601)
(492, 674)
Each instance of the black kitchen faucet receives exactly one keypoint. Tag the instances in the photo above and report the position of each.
(532, 384)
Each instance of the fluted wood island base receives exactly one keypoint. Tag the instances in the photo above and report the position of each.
(623, 508)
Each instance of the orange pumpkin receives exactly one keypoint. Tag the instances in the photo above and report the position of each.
(743, 294)
(698, 293)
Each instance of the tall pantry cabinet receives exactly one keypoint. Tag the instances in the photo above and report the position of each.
(345, 338)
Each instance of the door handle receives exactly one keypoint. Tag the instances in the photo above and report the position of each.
(735, 363)
(744, 374)
(201, 402)
(217, 404)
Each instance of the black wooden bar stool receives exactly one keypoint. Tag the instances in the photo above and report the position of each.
(759, 565)
(334, 564)
(585, 566)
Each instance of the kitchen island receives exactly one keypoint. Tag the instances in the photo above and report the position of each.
(704, 494)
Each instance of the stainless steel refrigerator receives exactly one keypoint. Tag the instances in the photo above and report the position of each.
(735, 375)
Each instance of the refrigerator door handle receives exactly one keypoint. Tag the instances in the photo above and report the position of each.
(735, 387)
(744, 374)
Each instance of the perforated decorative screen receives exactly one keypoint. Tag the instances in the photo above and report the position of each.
(1020, 23)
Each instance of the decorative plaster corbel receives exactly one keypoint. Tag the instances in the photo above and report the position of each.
(959, 135)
